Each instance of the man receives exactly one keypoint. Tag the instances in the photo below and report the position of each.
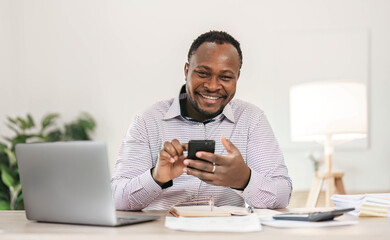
(152, 171)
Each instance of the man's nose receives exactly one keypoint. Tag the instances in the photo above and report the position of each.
(212, 84)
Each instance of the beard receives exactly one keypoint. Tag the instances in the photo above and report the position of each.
(208, 115)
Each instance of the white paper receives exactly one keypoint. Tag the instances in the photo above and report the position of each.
(262, 213)
(248, 223)
(356, 201)
(235, 210)
(304, 224)
(265, 214)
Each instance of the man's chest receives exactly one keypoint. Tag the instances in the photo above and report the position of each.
(185, 131)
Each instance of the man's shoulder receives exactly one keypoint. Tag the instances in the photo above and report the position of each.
(242, 108)
(157, 110)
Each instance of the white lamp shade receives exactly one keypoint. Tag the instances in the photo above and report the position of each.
(336, 109)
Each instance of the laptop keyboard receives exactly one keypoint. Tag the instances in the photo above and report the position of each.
(134, 219)
(122, 221)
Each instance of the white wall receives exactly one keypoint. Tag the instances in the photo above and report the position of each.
(7, 63)
(114, 58)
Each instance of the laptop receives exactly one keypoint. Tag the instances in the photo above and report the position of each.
(69, 182)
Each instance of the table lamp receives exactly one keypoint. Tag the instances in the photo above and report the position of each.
(328, 112)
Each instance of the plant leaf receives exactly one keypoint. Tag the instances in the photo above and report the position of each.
(13, 129)
(19, 139)
(22, 123)
(6, 176)
(4, 194)
(19, 203)
(74, 131)
(2, 147)
(12, 120)
(11, 156)
(31, 122)
(18, 188)
(54, 136)
(86, 121)
(48, 120)
(4, 205)
(3, 156)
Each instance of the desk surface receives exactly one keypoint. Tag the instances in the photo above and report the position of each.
(16, 226)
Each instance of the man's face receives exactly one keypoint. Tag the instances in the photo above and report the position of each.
(211, 76)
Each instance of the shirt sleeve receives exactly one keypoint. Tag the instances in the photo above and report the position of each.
(269, 185)
(132, 184)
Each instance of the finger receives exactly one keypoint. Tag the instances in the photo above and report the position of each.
(164, 156)
(204, 176)
(229, 146)
(199, 165)
(179, 148)
(170, 149)
(185, 146)
(211, 157)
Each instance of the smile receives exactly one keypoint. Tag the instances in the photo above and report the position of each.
(210, 97)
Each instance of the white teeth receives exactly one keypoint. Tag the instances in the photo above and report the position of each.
(209, 97)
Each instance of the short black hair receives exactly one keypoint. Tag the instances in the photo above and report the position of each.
(218, 37)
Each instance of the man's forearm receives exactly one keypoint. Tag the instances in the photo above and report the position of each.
(135, 193)
(264, 192)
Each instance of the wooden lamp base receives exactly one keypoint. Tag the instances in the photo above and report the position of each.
(333, 185)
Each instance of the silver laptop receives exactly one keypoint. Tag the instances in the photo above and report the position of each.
(69, 182)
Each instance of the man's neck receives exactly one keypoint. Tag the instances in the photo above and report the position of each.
(187, 110)
(192, 113)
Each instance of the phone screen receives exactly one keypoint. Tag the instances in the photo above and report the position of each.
(200, 145)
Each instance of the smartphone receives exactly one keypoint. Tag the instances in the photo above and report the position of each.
(200, 145)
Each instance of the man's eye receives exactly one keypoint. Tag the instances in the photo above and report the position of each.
(226, 78)
(202, 74)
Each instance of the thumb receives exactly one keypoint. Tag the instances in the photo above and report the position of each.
(229, 146)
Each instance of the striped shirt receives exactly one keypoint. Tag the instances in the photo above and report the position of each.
(244, 124)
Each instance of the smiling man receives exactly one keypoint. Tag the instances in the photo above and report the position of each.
(152, 171)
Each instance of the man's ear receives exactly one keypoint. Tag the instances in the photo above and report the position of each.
(186, 67)
(238, 75)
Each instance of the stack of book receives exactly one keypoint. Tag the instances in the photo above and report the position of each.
(366, 205)
(375, 206)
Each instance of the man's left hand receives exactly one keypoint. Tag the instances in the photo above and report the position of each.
(229, 171)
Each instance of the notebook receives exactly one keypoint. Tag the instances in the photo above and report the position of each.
(69, 182)
(205, 211)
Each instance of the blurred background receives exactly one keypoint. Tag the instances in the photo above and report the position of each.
(113, 59)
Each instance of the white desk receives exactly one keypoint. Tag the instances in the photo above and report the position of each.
(16, 226)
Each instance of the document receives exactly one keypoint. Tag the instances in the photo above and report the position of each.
(205, 211)
(265, 214)
(200, 211)
(303, 224)
(366, 205)
(249, 223)
(223, 211)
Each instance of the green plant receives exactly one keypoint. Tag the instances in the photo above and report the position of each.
(316, 159)
(26, 131)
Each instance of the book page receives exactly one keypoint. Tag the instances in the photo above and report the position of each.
(248, 223)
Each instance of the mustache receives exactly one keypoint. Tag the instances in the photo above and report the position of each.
(212, 94)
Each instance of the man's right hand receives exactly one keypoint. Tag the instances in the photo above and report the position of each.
(170, 162)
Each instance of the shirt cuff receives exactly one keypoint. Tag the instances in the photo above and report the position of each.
(150, 186)
(165, 185)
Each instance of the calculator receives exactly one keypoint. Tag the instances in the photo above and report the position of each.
(313, 216)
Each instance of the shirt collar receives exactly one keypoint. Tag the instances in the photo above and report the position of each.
(175, 110)
(228, 112)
